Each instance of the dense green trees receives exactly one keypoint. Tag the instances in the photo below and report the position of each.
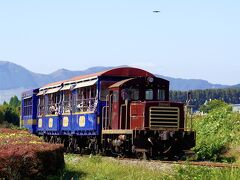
(212, 105)
(10, 112)
(218, 132)
(199, 97)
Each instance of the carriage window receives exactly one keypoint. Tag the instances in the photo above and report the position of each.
(149, 94)
(41, 105)
(135, 94)
(66, 101)
(104, 91)
(53, 103)
(161, 94)
(27, 107)
(86, 99)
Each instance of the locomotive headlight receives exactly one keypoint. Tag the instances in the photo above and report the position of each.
(150, 79)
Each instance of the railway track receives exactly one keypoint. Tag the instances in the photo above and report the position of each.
(162, 162)
(203, 163)
(192, 163)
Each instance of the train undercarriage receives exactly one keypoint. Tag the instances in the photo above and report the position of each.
(142, 144)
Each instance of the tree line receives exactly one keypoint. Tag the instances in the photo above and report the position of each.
(10, 112)
(200, 97)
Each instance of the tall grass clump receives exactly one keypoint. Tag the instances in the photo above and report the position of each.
(217, 133)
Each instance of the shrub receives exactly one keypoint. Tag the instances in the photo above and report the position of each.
(216, 133)
(25, 155)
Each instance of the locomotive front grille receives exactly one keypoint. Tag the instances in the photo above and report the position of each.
(164, 117)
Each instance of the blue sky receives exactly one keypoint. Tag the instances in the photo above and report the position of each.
(187, 39)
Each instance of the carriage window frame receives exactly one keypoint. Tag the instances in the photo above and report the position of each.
(41, 105)
(27, 106)
(67, 102)
(86, 98)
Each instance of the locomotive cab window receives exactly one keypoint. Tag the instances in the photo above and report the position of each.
(161, 94)
(149, 94)
(27, 107)
(135, 94)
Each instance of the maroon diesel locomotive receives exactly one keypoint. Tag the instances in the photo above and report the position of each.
(139, 118)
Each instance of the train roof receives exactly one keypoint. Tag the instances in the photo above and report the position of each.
(122, 71)
(29, 93)
(120, 83)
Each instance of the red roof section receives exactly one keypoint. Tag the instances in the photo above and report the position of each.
(54, 84)
(123, 71)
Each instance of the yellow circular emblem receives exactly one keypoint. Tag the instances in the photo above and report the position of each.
(40, 122)
(81, 121)
(50, 122)
(65, 121)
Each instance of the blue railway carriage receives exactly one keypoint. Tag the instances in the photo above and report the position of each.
(117, 110)
(29, 110)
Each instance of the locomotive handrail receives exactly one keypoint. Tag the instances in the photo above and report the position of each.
(122, 105)
(110, 110)
(104, 118)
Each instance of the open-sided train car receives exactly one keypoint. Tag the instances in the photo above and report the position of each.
(118, 111)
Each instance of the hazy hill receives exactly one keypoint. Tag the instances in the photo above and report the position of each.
(14, 78)
(62, 74)
(191, 84)
(236, 86)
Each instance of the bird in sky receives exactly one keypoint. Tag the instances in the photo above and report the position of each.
(156, 11)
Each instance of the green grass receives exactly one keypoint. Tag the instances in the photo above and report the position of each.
(102, 168)
(99, 168)
(205, 173)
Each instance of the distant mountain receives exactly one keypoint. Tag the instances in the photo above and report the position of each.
(15, 78)
(191, 84)
(236, 86)
(62, 74)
